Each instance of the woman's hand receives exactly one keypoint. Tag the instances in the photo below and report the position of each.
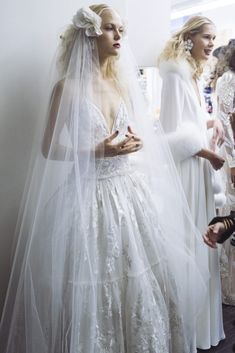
(132, 143)
(134, 138)
(213, 233)
(216, 160)
(218, 134)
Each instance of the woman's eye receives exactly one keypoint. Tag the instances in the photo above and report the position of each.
(123, 31)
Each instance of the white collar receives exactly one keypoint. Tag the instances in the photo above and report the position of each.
(179, 66)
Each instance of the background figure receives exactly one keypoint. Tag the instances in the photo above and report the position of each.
(184, 119)
(101, 264)
(225, 91)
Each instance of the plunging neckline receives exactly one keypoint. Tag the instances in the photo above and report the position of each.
(104, 119)
(196, 92)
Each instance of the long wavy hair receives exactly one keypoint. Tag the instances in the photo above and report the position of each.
(175, 48)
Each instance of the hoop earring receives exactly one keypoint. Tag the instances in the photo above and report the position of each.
(188, 44)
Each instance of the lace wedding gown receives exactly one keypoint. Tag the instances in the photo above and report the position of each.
(132, 306)
(136, 306)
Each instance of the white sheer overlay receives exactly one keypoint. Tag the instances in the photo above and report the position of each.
(103, 260)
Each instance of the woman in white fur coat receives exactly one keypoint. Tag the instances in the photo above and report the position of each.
(185, 120)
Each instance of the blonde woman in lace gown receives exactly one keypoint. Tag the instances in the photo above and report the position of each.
(102, 262)
(225, 89)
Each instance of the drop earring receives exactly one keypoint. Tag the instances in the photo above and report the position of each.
(188, 44)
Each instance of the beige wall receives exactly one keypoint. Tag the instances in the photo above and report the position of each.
(148, 28)
(223, 18)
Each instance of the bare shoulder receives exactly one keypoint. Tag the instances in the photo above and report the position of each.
(63, 86)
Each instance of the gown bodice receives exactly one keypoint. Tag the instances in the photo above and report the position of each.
(111, 166)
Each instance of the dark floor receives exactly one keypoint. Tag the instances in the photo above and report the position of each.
(227, 345)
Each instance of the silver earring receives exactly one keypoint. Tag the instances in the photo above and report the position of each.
(188, 44)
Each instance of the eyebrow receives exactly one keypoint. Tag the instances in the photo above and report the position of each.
(208, 34)
(113, 23)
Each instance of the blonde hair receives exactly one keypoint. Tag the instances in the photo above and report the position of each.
(65, 49)
(68, 39)
(112, 67)
(175, 49)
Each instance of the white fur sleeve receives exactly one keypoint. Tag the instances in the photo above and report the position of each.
(185, 142)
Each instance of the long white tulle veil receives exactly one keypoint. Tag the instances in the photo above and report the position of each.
(52, 298)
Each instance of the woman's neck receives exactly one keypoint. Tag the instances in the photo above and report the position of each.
(103, 68)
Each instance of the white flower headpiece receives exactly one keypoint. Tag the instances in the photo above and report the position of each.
(87, 19)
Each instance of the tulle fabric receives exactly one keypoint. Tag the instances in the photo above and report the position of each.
(102, 262)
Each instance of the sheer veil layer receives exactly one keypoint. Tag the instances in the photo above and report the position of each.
(60, 277)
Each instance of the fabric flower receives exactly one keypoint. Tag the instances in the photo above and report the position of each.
(87, 19)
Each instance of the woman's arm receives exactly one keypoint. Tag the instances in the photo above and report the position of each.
(218, 136)
(210, 124)
(216, 161)
(54, 151)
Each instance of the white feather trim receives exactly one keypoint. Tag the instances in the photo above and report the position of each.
(181, 67)
(185, 142)
(218, 189)
(220, 200)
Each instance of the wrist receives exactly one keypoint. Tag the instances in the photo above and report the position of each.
(205, 153)
(210, 124)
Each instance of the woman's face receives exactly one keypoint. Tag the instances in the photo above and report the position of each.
(203, 42)
(109, 43)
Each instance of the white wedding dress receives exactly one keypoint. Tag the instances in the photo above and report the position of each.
(133, 301)
(132, 304)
